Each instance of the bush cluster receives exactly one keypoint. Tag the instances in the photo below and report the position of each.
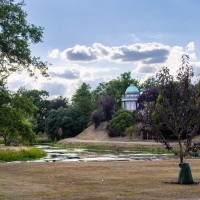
(120, 121)
(22, 155)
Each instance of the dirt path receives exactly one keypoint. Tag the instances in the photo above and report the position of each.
(111, 143)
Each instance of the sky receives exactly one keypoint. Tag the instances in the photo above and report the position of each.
(95, 41)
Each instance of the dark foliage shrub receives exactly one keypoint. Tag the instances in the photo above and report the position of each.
(105, 107)
(120, 121)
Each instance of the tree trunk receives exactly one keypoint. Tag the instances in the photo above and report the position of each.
(181, 151)
(5, 140)
(181, 159)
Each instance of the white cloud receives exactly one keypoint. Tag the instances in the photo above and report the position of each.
(54, 88)
(79, 53)
(196, 66)
(190, 47)
(53, 53)
(147, 53)
(147, 69)
(143, 60)
(135, 38)
(67, 74)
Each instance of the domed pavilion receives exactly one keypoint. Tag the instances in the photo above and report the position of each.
(129, 100)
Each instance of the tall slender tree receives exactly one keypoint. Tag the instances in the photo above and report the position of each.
(178, 108)
(82, 99)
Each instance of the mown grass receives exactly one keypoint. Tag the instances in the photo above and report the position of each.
(97, 180)
(21, 155)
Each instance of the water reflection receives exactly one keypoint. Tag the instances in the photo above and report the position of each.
(55, 154)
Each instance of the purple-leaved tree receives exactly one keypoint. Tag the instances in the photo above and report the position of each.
(178, 108)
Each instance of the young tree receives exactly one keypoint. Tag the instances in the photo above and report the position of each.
(178, 109)
(39, 99)
(16, 35)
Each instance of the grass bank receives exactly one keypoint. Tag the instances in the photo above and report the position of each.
(115, 149)
(10, 155)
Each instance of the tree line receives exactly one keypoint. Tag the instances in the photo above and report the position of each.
(168, 105)
(28, 112)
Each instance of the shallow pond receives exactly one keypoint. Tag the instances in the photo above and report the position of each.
(56, 154)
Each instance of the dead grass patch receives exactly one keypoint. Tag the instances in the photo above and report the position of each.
(96, 180)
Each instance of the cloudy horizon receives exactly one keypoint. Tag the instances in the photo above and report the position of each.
(96, 41)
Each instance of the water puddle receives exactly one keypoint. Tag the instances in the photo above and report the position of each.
(55, 154)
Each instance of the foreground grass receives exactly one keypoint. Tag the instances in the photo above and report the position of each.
(21, 155)
(96, 180)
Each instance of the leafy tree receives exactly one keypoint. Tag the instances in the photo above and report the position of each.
(120, 121)
(79, 120)
(147, 100)
(177, 108)
(64, 122)
(4, 94)
(107, 106)
(57, 103)
(14, 116)
(82, 100)
(25, 131)
(115, 88)
(16, 36)
(132, 130)
(149, 83)
(147, 96)
(57, 123)
(39, 99)
(178, 105)
(97, 118)
(197, 88)
(105, 110)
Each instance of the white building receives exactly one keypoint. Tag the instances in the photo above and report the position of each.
(129, 100)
